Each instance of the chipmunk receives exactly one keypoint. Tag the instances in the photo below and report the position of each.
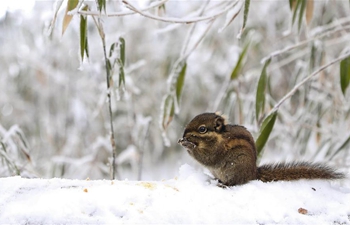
(229, 152)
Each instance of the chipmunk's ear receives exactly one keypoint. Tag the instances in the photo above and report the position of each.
(219, 123)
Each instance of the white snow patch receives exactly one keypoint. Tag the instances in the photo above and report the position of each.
(189, 199)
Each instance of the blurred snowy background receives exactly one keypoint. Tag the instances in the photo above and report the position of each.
(54, 119)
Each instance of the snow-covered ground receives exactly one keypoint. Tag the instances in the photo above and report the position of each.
(191, 198)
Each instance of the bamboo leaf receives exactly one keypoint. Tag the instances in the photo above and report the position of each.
(295, 7)
(237, 69)
(313, 56)
(265, 131)
(58, 5)
(344, 74)
(180, 82)
(309, 11)
(111, 60)
(87, 47)
(245, 13)
(109, 65)
(121, 73)
(291, 4)
(101, 5)
(301, 13)
(71, 4)
(122, 50)
(121, 61)
(162, 8)
(84, 48)
(168, 111)
(112, 49)
(261, 90)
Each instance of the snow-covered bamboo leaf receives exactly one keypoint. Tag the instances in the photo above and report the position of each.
(84, 48)
(238, 67)
(344, 74)
(111, 59)
(162, 7)
(58, 5)
(245, 14)
(11, 164)
(265, 131)
(261, 90)
(180, 82)
(168, 111)
(71, 4)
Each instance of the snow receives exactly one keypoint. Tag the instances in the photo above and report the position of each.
(191, 198)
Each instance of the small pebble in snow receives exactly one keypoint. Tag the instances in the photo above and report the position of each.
(302, 211)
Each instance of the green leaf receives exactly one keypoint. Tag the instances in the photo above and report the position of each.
(121, 73)
(112, 49)
(162, 8)
(261, 90)
(87, 47)
(121, 61)
(313, 56)
(245, 13)
(83, 37)
(299, 9)
(111, 61)
(296, 10)
(180, 82)
(265, 131)
(344, 74)
(291, 4)
(71, 4)
(301, 13)
(101, 4)
(237, 69)
(122, 50)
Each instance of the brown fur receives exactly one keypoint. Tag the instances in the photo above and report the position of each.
(229, 152)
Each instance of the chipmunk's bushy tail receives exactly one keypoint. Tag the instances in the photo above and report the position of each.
(295, 171)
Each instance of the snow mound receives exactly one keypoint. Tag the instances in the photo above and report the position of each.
(192, 198)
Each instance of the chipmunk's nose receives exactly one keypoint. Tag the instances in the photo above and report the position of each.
(180, 140)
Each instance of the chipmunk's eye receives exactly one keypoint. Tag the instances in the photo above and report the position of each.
(202, 129)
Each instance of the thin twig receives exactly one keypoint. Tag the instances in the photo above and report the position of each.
(317, 35)
(316, 31)
(178, 20)
(108, 79)
(296, 87)
(191, 30)
(97, 13)
(184, 56)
